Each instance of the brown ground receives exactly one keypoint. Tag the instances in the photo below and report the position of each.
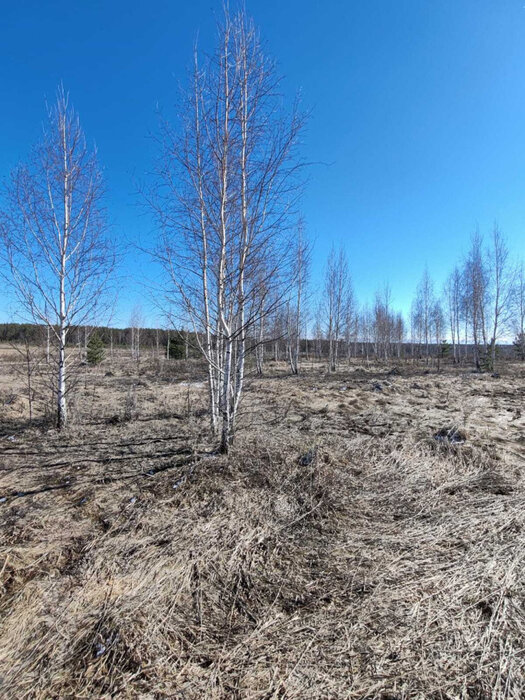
(365, 538)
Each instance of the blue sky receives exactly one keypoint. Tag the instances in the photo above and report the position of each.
(417, 127)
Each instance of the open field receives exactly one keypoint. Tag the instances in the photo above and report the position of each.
(365, 538)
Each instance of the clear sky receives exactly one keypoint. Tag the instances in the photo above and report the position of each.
(417, 127)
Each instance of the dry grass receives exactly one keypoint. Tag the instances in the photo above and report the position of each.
(340, 551)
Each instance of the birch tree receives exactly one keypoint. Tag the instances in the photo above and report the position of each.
(58, 255)
(423, 308)
(399, 333)
(365, 324)
(318, 330)
(350, 322)
(225, 193)
(437, 324)
(452, 294)
(501, 289)
(475, 281)
(519, 311)
(336, 287)
(384, 322)
(136, 323)
(296, 305)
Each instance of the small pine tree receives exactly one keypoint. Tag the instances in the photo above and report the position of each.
(444, 349)
(487, 363)
(443, 352)
(176, 349)
(95, 350)
(519, 346)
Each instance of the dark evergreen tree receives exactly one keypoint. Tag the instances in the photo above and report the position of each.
(95, 349)
(444, 349)
(176, 349)
(519, 346)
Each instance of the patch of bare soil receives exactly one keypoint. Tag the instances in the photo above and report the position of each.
(364, 539)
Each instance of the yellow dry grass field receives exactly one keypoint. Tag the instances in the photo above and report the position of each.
(364, 539)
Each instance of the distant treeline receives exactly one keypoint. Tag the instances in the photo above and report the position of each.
(36, 334)
(20, 332)
(183, 343)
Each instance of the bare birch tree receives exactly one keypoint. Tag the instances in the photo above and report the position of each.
(399, 333)
(136, 323)
(337, 280)
(501, 289)
(452, 293)
(318, 330)
(423, 309)
(58, 255)
(437, 324)
(384, 322)
(365, 324)
(519, 311)
(226, 190)
(296, 305)
(475, 281)
(350, 321)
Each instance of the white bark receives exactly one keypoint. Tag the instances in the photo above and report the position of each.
(59, 258)
(222, 201)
